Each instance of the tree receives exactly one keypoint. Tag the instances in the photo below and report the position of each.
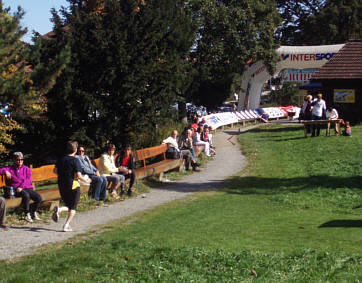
(336, 22)
(20, 87)
(128, 64)
(287, 95)
(230, 34)
(315, 22)
(293, 13)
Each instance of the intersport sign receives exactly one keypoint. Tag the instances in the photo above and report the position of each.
(307, 56)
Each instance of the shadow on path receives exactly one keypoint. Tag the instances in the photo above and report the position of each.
(33, 229)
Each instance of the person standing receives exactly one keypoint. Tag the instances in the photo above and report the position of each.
(3, 224)
(19, 176)
(99, 183)
(319, 108)
(66, 168)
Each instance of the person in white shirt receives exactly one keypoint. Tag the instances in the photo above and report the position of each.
(319, 107)
(172, 142)
(332, 114)
(197, 141)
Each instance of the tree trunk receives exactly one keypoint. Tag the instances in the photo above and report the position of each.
(182, 113)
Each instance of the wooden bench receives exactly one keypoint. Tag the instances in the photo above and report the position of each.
(157, 168)
(322, 122)
(49, 196)
(46, 173)
(150, 169)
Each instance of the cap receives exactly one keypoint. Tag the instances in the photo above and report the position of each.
(319, 95)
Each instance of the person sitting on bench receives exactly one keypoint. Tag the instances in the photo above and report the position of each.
(185, 144)
(197, 141)
(99, 183)
(125, 162)
(172, 144)
(108, 169)
(19, 176)
(332, 114)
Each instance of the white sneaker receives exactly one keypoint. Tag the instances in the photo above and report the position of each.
(28, 218)
(36, 216)
(67, 228)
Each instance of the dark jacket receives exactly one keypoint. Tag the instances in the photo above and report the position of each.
(131, 163)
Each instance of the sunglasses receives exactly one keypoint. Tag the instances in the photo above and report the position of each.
(81, 150)
(19, 159)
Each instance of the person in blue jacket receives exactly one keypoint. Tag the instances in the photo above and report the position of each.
(99, 183)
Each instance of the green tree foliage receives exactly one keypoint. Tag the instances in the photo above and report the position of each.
(293, 13)
(336, 22)
(230, 34)
(287, 95)
(128, 64)
(315, 22)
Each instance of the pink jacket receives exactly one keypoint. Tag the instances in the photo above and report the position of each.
(20, 177)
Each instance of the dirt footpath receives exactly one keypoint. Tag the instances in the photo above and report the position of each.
(23, 240)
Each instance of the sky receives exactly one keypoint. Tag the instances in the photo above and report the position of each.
(37, 14)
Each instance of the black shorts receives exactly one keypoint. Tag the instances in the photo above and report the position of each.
(70, 198)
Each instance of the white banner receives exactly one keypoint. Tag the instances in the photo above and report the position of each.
(218, 120)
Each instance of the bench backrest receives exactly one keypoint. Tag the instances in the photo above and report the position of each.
(46, 172)
(2, 180)
(43, 173)
(143, 154)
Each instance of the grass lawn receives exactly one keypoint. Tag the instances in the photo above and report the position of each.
(294, 215)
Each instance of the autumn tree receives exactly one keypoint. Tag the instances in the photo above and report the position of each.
(22, 85)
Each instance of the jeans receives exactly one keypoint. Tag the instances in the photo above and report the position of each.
(193, 153)
(316, 126)
(27, 195)
(132, 178)
(99, 186)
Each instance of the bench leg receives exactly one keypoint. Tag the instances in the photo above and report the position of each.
(338, 128)
(181, 168)
(328, 129)
(305, 130)
(160, 177)
(50, 204)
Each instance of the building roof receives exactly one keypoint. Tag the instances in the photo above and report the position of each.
(346, 64)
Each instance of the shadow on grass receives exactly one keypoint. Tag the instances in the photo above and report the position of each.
(268, 186)
(283, 129)
(264, 186)
(342, 224)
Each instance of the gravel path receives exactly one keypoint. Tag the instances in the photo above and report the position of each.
(23, 240)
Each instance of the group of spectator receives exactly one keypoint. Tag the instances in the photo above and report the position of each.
(316, 109)
(76, 169)
(73, 169)
(198, 134)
